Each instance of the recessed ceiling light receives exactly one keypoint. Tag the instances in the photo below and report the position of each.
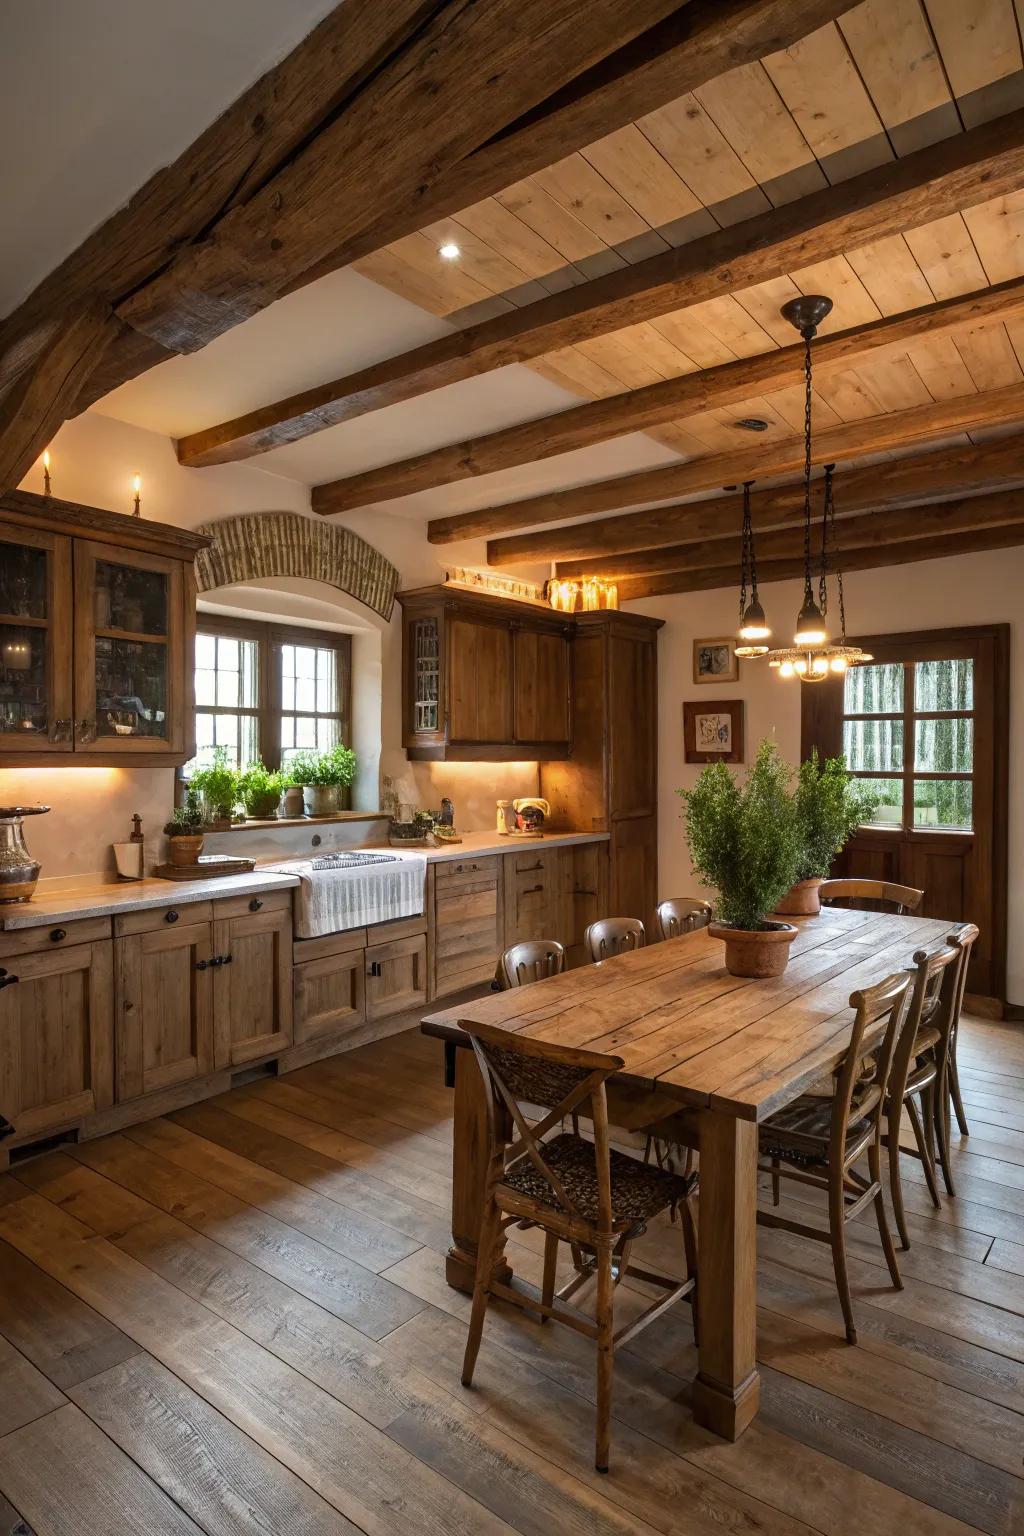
(751, 424)
(449, 251)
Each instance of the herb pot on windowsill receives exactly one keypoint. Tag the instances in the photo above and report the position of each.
(801, 900)
(758, 952)
(184, 851)
(321, 799)
(263, 807)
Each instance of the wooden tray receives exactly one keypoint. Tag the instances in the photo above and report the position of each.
(208, 867)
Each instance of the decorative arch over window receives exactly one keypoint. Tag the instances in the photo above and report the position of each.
(261, 544)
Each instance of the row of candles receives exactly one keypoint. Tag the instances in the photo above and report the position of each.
(136, 485)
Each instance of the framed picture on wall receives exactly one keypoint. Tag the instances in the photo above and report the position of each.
(715, 661)
(713, 733)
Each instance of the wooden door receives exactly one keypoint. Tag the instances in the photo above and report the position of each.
(164, 1008)
(542, 687)
(925, 726)
(585, 877)
(633, 724)
(56, 1036)
(131, 694)
(535, 906)
(396, 976)
(330, 995)
(252, 984)
(479, 682)
(634, 869)
(35, 642)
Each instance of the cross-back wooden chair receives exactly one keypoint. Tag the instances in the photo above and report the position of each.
(918, 1073)
(614, 936)
(818, 1140)
(964, 936)
(576, 1191)
(871, 895)
(682, 914)
(531, 960)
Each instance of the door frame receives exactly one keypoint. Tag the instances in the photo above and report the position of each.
(814, 732)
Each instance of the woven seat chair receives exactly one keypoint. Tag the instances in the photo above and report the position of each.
(614, 936)
(682, 914)
(919, 1074)
(818, 1141)
(577, 1191)
(870, 895)
(531, 960)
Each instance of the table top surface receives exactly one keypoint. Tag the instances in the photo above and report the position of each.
(680, 1022)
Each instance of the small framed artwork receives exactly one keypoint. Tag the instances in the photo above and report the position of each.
(715, 661)
(713, 733)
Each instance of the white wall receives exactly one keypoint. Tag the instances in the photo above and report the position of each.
(973, 589)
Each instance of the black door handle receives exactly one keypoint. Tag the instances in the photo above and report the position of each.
(7, 981)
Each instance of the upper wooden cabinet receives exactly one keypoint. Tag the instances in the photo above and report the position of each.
(485, 679)
(97, 619)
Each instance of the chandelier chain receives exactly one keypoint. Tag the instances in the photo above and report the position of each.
(807, 462)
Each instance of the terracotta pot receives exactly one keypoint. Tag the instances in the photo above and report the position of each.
(184, 850)
(293, 801)
(801, 900)
(757, 952)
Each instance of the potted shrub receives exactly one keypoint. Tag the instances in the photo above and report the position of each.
(184, 832)
(830, 806)
(260, 790)
(217, 787)
(745, 844)
(324, 776)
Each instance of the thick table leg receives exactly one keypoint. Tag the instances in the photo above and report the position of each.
(727, 1389)
(469, 1170)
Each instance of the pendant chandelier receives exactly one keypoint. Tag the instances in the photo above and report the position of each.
(754, 633)
(812, 656)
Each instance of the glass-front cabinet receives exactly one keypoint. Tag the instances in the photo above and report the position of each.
(35, 641)
(95, 623)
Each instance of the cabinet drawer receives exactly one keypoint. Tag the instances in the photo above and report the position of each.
(467, 935)
(34, 941)
(396, 976)
(163, 917)
(261, 901)
(466, 871)
(400, 928)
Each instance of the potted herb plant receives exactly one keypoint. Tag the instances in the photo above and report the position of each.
(745, 844)
(324, 776)
(184, 832)
(830, 806)
(260, 789)
(217, 786)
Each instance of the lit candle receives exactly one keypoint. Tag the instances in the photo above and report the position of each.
(46, 472)
(137, 488)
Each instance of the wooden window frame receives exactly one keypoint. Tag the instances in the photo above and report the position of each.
(269, 637)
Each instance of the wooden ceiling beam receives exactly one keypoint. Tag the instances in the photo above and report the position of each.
(856, 531)
(932, 183)
(655, 404)
(870, 557)
(854, 439)
(639, 542)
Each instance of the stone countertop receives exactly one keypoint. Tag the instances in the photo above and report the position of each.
(476, 843)
(97, 898)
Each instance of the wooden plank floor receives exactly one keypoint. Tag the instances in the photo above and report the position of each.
(236, 1320)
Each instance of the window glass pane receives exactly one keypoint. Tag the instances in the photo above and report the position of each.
(227, 653)
(206, 650)
(944, 746)
(204, 730)
(287, 691)
(305, 661)
(206, 686)
(305, 731)
(889, 792)
(943, 804)
(247, 674)
(287, 733)
(873, 744)
(227, 688)
(305, 694)
(874, 690)
(326, 681)
(944, 684)
(326, 733)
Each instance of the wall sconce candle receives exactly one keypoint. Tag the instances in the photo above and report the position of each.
(137, 488)
(46, 472)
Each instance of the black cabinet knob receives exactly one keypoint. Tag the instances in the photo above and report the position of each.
(201, 965)
(226, 959)
(171, 916)
(255, 905)
(56, 934)
(7, 981)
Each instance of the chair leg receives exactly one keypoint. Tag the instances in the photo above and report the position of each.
(550, 1265)
(895, 1180)
(875, 1169)
(927, 1152)
(954, 1089)
(689, 1226)
(940, 1116)
(837, 1233)
(605, 1353)
(489, 1228)
(776, 1181)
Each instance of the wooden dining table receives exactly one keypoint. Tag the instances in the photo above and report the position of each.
(733, 1049)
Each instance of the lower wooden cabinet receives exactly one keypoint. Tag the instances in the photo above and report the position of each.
(56, 1036)
(634, 868)
(164, 992)
(396, 976)
(468, 926)
(585, 873)
(535, 889)
(252, 982)
(329, 988)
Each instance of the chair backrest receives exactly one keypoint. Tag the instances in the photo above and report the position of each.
(614, 936)
(518, 1070)
(963, 937)
(871, 895)
(934, 980)
(531, 960)
(682, 914)
(886, 1001)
